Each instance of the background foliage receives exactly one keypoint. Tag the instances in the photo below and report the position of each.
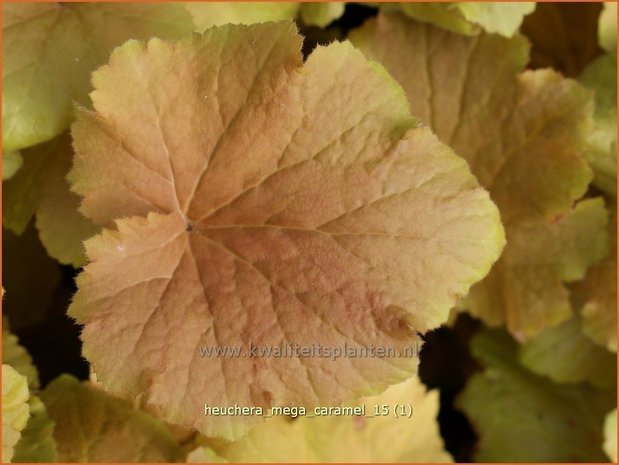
(525, 368)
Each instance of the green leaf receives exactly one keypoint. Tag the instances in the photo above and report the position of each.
(50, 49)
(15, 410)
(526, 289)
(11, 162)
(359, 439)
(471, 18)
(91, 426)
(607, 27)
(40, 188)
(16, 356)
(601, 76)
(523, 417)
(523, 134)
(499, 18)
(566, 355)
(23, 193)
(610, 435)
(321, 14)
(37, 442)
(208, 14)
(443, 15)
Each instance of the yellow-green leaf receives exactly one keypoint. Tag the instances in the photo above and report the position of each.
(15, 355)
(596, 295)
(50, 49)
(502, 18)
(321, 14)
(91, 426)
(290, 202)
(610, 435)
(526, 289)
(37, 442)
(601, 76)
(522, 134)
(40, 188)
(523, 417)
(443, 15)
(566, 355)
(209, 14)
(11, 162)
(360, 439)
(471, 18)
(607, 27)
(15, 410)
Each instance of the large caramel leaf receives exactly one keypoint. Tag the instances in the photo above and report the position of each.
(271, 202)
(523, 135)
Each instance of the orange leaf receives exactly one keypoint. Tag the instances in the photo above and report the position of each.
(271, 202)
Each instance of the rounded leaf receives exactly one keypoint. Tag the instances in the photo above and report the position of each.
(267, 202)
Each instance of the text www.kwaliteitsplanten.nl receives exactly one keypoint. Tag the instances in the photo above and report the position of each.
(315, 350)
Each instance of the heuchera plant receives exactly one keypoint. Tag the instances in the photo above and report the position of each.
(214, 176)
